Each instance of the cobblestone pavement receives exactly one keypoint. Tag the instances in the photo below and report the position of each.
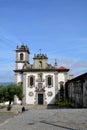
(48, 119)
(5, 116)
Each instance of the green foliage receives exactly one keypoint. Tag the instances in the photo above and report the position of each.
(3, 93)
(13, 90)
(19, 92)
(63, 102)
(8, 92)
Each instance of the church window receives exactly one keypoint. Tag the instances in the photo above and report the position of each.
(21, 56)
(31, 81)
(49, 80)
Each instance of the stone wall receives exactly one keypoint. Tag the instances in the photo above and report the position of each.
(77, 90)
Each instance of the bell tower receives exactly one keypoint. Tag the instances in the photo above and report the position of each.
(22, 56)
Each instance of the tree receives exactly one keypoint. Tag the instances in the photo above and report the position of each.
(8, 92)
(3, 91)
(1, 94)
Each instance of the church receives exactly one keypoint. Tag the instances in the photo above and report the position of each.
(41, 81)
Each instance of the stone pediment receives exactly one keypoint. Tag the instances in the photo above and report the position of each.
(40, 88)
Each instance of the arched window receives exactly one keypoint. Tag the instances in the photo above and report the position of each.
(49, 80)
(31, 81)
(21, 56)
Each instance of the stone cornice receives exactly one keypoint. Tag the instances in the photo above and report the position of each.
(22, 61)
(41, 70)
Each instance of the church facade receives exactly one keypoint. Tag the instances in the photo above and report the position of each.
(41, 81)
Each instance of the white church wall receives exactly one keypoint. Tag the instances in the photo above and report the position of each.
(31, 99)
(30, 92)
(49, 91)
(20, 66)
(61, 77)
(50, 98)
(30, 95)
(19, 78)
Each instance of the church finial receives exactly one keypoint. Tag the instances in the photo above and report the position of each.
(17, 46)
(55, 62)
(40, 50)
(22, 43)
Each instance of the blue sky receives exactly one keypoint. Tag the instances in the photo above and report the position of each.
(58, 27)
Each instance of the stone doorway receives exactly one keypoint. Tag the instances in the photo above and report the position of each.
(40, 99)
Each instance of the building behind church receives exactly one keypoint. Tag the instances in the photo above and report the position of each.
(41, 81)
(76, 90)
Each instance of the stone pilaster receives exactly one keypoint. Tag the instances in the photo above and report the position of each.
(24, 89)
(56, 83)
(66, 76)
(16, 60)
(15, 78)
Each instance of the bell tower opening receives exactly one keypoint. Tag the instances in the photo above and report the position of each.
(40, 64)
(21, 56)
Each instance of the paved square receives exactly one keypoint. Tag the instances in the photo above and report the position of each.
(48, 119)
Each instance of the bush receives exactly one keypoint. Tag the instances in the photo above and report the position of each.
(63, 103)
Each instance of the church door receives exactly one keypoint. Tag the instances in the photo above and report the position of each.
(40, 99)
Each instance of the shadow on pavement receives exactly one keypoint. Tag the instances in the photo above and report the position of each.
(67, 128)
(57, 125)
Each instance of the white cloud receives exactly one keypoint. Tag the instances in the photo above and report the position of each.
(76, 67)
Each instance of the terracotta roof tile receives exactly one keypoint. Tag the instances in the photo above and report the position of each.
(62, 68)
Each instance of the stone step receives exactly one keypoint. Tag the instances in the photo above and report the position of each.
(36, 107)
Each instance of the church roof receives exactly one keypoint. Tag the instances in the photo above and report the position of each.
(62, 68)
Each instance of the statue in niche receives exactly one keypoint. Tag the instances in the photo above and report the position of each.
(40, 77)
(40, 88)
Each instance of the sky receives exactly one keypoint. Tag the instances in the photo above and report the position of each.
(58, 27)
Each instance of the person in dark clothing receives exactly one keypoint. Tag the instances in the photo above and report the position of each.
(23, 109)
